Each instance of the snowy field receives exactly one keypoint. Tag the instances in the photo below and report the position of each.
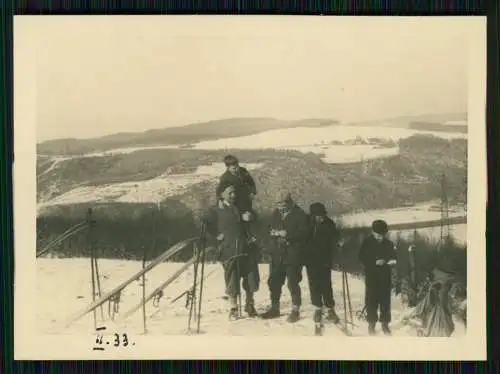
(152, 190)
(70, 280)
(455, 123)
(458, 232)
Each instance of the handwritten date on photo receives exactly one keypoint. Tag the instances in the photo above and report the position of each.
(115, 340)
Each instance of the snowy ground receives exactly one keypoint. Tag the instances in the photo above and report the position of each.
(455, 123)
(419, 212)
(458, 232)
(70, 280)
(152, 190)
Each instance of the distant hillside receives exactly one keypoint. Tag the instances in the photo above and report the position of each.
(426, 122)
(196, 132)
(413, 175)
(232, 127)
(433, 126)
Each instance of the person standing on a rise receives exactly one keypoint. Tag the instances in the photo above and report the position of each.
(239, 177)
(377, 254)
(290, 231)
(319, 262)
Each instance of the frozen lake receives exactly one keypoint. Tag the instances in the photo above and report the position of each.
(319, 140)
(417, 213)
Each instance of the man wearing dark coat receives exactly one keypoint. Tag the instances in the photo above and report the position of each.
(289, 230)
(377, 254)
(239, 262)
(319, 262)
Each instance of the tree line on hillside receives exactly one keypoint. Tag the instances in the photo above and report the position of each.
(132, 236)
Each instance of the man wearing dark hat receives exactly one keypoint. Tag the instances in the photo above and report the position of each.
(235, 254)
(239, 177)
(290, 230)
(377, 254)
(319, 261)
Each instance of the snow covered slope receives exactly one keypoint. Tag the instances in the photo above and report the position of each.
(70, 278)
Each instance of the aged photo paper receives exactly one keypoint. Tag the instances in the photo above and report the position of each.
(249, 187)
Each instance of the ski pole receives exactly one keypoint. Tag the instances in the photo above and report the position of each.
(237, 259)
(348, 296)
(344, 299)
(203, 255)
(92, 262)
(200, 301)
(192, 301)
(98, 281)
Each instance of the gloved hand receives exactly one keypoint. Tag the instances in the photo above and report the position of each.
(247, 216)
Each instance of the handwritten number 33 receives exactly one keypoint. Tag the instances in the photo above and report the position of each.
(117, 340)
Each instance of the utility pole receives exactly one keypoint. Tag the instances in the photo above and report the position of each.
(445, 220)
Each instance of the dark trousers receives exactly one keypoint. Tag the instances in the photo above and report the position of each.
(241, 268)
(378, 297)
(278, 273)
(320, 285)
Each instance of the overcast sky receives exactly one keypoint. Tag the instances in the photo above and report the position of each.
(104, 74)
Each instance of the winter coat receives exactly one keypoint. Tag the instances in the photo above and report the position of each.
(371, 250)
(226, 220)
(244, 184)
(322, 244)
(291, 249)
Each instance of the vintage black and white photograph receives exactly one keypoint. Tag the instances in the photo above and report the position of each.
(295, 178)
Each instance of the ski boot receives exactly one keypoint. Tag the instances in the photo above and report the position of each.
(386, 330)
(233, 314)
(371, 329)
(250, 310)
(318, 323)
(294, 316)
(331, 316)
(272, 312)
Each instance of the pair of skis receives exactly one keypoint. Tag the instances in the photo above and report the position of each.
(195, 301)
(319, 328)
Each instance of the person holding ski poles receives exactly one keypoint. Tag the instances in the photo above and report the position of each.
(226, 224)
(289, 230)
(377, 255)
(319, 262)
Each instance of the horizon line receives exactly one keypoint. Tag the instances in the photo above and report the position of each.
(256, 117)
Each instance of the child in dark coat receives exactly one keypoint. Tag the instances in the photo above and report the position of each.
(377, 255)
(245, 190)
(319, 261)
(238, 177)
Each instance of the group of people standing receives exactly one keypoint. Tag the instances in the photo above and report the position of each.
(299, 240)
